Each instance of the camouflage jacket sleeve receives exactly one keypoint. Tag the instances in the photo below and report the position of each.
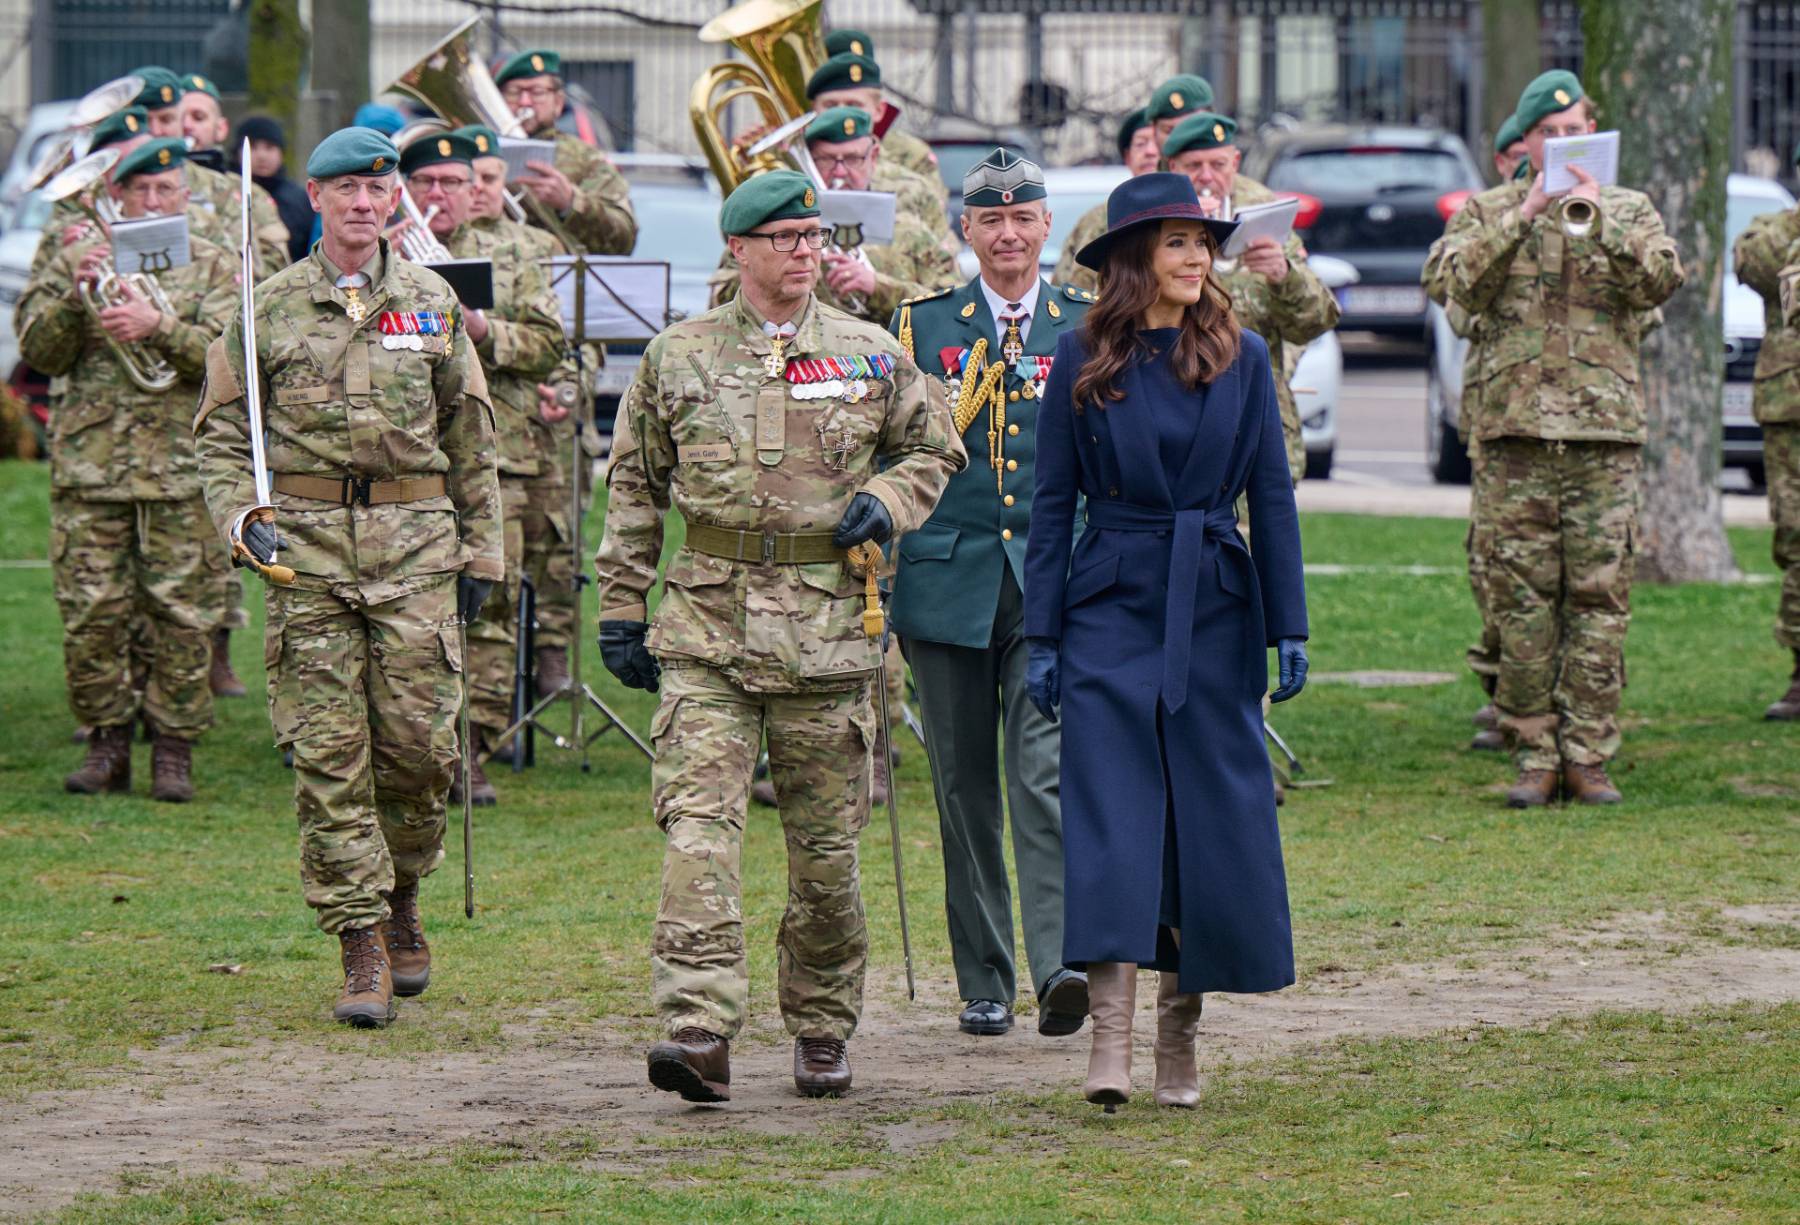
(637, 497)
(916, 264)
(466, 436)
(1789, 285)
(1470, 262)
(1302, 308)
(183, 338)
(1644, 259)
(271, 235)
(50, 320)
(919, 450)
(600, 218)
(531, 344)
(1761, 252)
(222, 433)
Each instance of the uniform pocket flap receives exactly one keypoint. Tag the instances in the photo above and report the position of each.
(691, 569)
(1091, 581)
(933, 542)
(831, 577)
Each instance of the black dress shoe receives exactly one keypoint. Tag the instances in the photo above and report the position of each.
(1063, 1004)
(985, 1017)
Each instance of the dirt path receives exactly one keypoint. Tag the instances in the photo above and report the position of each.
(252, 1112)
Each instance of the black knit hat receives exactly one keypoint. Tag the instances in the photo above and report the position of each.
(261, 127)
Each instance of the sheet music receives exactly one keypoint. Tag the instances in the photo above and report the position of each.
(1597, 153)
(626, 299)
(516, 151)
(151, 244)
(873, 211)
(1274, 220)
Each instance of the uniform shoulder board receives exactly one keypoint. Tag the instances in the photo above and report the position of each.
(1075, 293)
(926, 297)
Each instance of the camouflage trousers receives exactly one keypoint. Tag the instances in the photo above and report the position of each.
(366, 695)
(548, 535)
(493, 639)
(1781, 460)
(145, 570)
(230, 579)
(1560, 557)
(706, 734)
(1484, 654)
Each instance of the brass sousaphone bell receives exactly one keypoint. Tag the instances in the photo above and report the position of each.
(782, 48)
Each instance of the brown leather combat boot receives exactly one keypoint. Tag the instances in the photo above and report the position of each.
(107, 766)
(1489, 740)
(1177, 1028)
(367, 1001)
(1786, 708)
(403, 934)
(1533, 789)
(171, 769)
(1486, 718)
(821, 1066)
(696, 1063)
(1589, 784)
(552, 670)
(224, 682)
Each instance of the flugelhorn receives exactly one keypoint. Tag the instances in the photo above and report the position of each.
(143, 365)
(782, 47)
(1577, 216)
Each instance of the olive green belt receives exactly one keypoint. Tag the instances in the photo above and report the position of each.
(345, 490)
(766, 548)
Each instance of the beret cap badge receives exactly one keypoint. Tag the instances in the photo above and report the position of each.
(1562, 96)
(131, 123)
(537, 62)
(168, 94)
(1218, 131)
(1175, 100)
(849, 127)
(444, 148)
(808, 199)
(162, 156)
(481, 142)
(379, 163)
(856, 72)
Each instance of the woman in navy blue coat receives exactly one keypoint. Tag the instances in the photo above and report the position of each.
(1154, 637)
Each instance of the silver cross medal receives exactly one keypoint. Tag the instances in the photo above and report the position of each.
(838, 452)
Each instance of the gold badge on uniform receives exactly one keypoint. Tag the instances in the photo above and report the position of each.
(1054, 313)
(849, 127)
(1562, 96)
(855, 74)
(1218, 131)
(168, 94)
(481, 143)
(378, 163)
(1176, 101)
(968, 312)
(856, 47)
(131, 124)
(162, 157)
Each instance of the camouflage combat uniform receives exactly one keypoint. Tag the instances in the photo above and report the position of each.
(1768, 245)
(753, 646)
(1560, 429)
(523, 345)
(1091, 225)
(363, 650)
(129, 534)
(917, 197)
(908, 152)
(219, 194)
(600, 218)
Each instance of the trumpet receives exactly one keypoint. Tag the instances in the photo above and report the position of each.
(417, 242)
(143, 365)
(1577, 216)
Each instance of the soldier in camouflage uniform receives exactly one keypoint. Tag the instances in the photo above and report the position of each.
(129, 532)
(1768, 260)
(1273, 291)
(1560, 427)
(835, 88)
(381, 457)
(784, 432)
(519, 341)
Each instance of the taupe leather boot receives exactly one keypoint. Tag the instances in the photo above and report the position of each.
(1786, 708)
(1177, 1028)
(1112, 996)
(409, 956)
(223, 681)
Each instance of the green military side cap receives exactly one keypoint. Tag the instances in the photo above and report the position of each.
(361, 151)
(1202, 130)
(1553, 91)
(162, 88)
(1181, 94)
(430, 150)
(487, 141)
(1128, 128)
(538, 63)
(846, 71)
(1510, 134)
(120, 126)
(837, 124)
(856, 42)
(151, 157)
(194, 83)
(774, 196)
(1002, 177)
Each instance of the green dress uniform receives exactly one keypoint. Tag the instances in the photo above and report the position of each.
(958, 608)
(380, 444)
(759, 630)
(1560, 429)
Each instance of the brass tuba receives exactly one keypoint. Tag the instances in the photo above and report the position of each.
(782, 48)
(96, 106)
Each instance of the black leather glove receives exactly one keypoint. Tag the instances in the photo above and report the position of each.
(623, 652)
(261, 540)
(471, 594)
(1043, 675)
(865, 519)
(1292, 652)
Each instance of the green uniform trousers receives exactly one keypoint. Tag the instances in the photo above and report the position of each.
(970, 699)
(1781, 461)
(1560, 561)
(366, 695)
(706, 732)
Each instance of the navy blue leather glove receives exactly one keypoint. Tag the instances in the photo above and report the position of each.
(623, 652)
(1292, 652)
(261, 540)
(471, 594)
(1043, 675)
(864, 519)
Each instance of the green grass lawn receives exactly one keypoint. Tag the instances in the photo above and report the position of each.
(114, 908)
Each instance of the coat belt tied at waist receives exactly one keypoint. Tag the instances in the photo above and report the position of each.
(1199, 534)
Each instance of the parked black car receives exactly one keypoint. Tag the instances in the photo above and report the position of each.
(1375, 197)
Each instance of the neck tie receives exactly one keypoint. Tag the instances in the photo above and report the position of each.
(1012, 345)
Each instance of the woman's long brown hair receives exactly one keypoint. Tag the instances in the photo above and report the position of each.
(1210, 335)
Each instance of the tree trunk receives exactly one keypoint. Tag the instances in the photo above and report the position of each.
(341, 55)
(1511, 52)
(277, 54)
(1660, 70)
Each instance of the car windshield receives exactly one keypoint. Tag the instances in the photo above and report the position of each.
(1068, 208)
(1371, 170)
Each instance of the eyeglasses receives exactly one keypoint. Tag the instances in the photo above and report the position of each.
(514, 93)
(845, 161)
(789, 240)
(444, 183)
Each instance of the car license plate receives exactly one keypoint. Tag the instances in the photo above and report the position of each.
(614, 377)
(1382, 300)
(1738, 399)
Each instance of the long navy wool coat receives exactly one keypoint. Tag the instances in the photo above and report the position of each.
(1165, 620)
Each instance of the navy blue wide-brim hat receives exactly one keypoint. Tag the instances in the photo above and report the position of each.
(1147, 198)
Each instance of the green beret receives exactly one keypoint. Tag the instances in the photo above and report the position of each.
(1550, 93)
(119, 127)
(1002, 177)
(844, 71)
(194, 83)
(1201, 130)
(1510, 134)
(856, 42)
(838, 124)
(361, 151)
(529, 64)
(1179, 95)
(486, 140)
(1128, 127)
(430, 150)
(151, 157)
(162, 88)
(773, 196)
